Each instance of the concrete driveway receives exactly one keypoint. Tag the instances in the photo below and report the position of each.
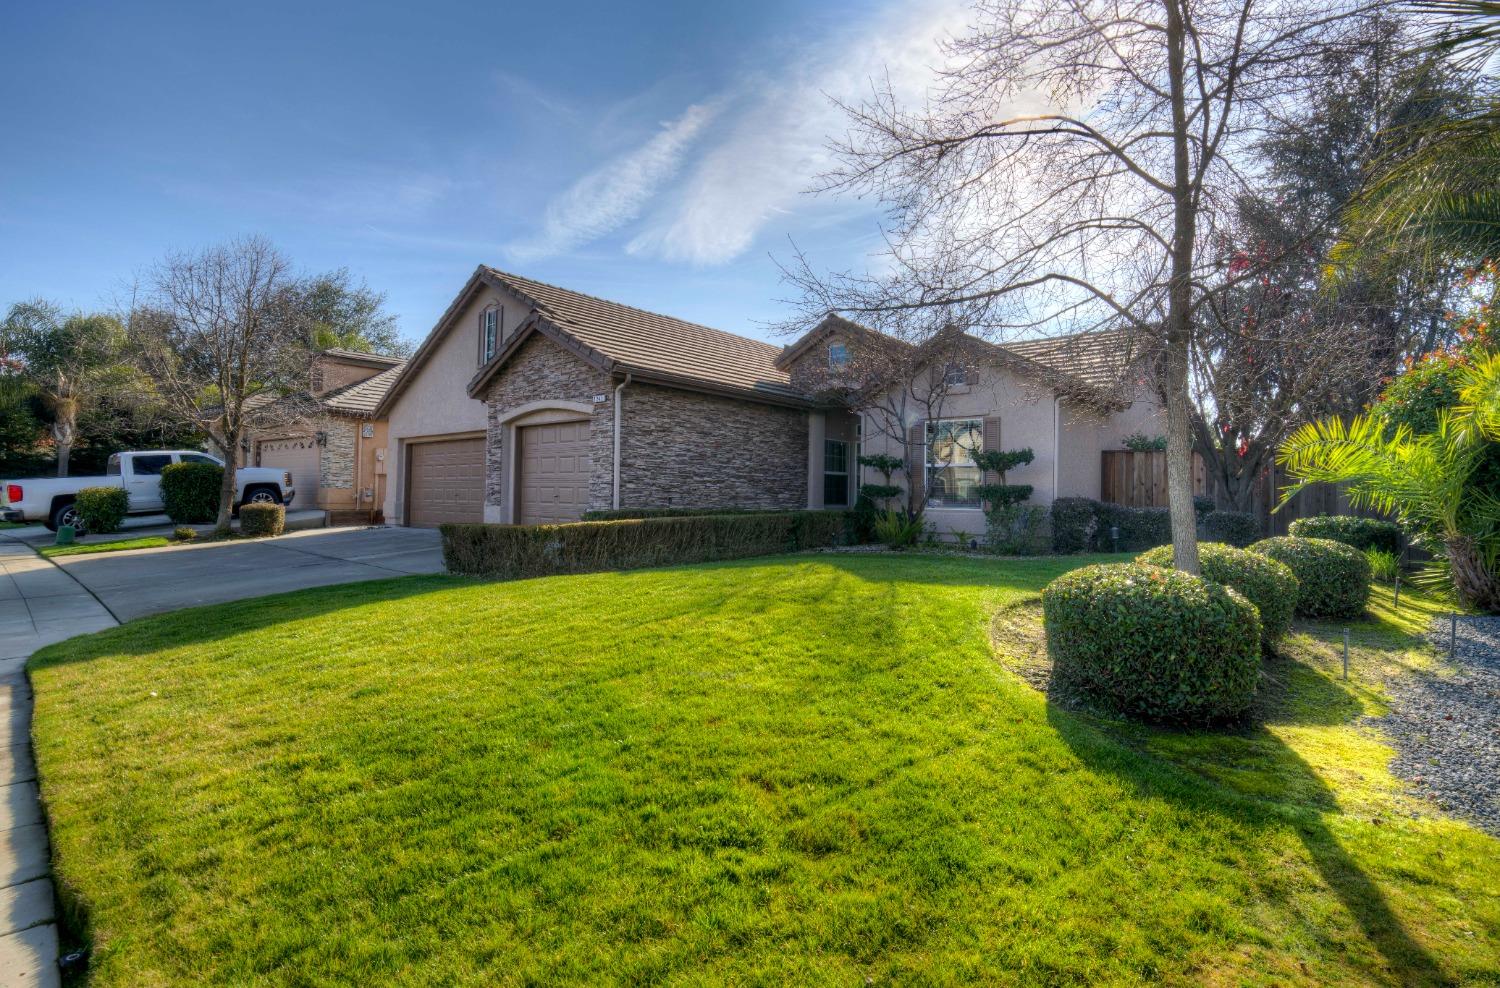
(150, 581)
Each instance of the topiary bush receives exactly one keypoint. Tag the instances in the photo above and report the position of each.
(1269, 585)
(190, 492)
(1333, 579)
(101, 509)
(259, 520)
(1153, 642)
(1362, 533)
(1236, 528)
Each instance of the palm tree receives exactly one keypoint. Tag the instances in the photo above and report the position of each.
(1437, 198)
(1425, 479)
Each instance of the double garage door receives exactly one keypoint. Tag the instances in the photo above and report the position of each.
(446, 483)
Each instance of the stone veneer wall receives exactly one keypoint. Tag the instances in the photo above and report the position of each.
(543, 371)
(337, 461)
(688, 450)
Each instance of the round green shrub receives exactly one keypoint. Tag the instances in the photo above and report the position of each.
(1269, 585)
(262, 519)
(101, 509)
(1333, 579)
(1362, 533)
(190, 492)
(1153, 642)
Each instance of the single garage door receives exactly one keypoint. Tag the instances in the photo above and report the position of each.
(554, 482)
(446, 482)
(299, 454)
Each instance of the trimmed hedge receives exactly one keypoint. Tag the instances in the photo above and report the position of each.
(1269, 585)
(1362, 533)
(1081, 524)
(626, 514)
(257, 520)
(589, 546)
(1154, 643)
(101, 509)
(190, 491)
(1333, 579)
(1236, 528)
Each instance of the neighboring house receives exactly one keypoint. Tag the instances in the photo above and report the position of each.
(337, 454)
(530, 403)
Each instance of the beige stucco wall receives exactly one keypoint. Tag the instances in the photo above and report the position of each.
(1065, 439)
(435, 401)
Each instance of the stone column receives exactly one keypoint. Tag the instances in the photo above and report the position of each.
(817, 424)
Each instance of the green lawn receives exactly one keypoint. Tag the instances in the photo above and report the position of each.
(806, 770)
(11, 524)
(119, 545)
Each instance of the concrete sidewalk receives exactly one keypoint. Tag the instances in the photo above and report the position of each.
(39, 604)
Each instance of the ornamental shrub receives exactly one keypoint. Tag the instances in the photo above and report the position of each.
(190, 492)
(1153, 642)
(1333, 579)
(1269, 585)
(1138, 528)
(101, 509)
(258, 520)
(1362, 533)
(1236, 528)
(583, 547)
(1074, 524)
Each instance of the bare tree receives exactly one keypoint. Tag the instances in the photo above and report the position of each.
(1071, 165)
(226, 344)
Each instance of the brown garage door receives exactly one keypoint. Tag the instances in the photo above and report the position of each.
(554, 482)
(446, 482)
(299, 454)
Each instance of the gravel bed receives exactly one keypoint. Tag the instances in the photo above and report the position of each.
(1446, 725)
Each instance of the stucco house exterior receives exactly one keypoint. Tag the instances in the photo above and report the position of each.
(529, 403)
(336, 454)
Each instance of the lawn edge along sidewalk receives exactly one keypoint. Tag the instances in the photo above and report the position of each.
(40, 603)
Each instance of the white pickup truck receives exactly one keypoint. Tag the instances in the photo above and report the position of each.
(50, 499)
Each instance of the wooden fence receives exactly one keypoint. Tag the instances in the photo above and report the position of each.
(1139, 480)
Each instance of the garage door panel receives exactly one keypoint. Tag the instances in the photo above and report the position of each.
(446, 482)
(554, 479)
(300, 455)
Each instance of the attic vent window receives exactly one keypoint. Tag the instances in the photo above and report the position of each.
(838, 356)
(489, 333)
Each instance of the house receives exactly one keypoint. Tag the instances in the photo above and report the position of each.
(529, 403)
(335, 454)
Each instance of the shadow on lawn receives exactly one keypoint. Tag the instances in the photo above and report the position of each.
(1285, 790)
(214, 622)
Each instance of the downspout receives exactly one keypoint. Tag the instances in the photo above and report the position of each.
(1056, 441)
(619, 410)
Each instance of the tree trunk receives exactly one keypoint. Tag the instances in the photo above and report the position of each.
(1179, 330)
(62, 434)
(228, 486)
(1477, 586)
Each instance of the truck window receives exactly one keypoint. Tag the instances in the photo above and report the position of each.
(149, 465)
(112, 468)
(199, 458)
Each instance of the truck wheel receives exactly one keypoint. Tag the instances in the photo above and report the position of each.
(261, 495)
(66, 514)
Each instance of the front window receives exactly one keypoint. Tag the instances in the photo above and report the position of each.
(955, 376)
(835, 472)
(838, 356)
(200, 458)
(952, 478)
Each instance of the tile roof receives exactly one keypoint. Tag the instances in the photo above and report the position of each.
(358, 356)
(362, 397)
(1098, 358)
(653, 343)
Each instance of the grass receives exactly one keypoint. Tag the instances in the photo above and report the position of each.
(88, 548)
(11, 524)
(800, 770)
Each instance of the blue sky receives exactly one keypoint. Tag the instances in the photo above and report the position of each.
(653, 153)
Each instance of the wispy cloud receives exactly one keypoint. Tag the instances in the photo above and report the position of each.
(618, 191)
